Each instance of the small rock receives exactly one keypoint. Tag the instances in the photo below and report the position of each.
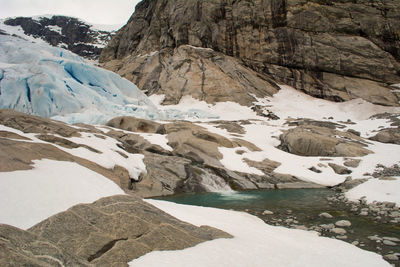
(341, 237)
(364, 213)
(355, 243)
(325, 215)
(289, 220)
(343, 223)
(301, 227)
(374, 238)
(339, 231)
(327, 226)
(393, 239)
(389, 243)
(394, 214)
(267, 212)
(391, 257)
(339, 169)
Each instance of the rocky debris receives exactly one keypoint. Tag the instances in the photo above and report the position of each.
(230, 126)
(136, 125)
(343, 223)
(326, 215)
(276, 40)
(322, 141)
(111, 231)
(339, 169)
(389, 136)
(384, 171)
(69, 33)
(352, 163)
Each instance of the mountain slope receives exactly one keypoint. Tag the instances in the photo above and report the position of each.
(66, 32)
(337, 51)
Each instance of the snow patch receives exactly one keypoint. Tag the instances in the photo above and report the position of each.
(254, 244)
(30, 196)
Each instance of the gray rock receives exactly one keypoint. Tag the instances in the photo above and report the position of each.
(341, 237)
(375, 238)
(267, 212)
(339, 231)
(394, 239)
(327, 226)
(355, 243)
(310, 140)
(325, 215)
(339, 169)
(389, 243)
(364, 213)
(117, 229)
(343, 223)
(391, 257)
(294, 49)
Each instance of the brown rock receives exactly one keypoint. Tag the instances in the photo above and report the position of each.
(339, 169)
(322, 141)
(118, 229)
(390, 136)
(351, 51)
(136, 125)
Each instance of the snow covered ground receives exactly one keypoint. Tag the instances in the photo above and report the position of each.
(30, 196)
(254, 244)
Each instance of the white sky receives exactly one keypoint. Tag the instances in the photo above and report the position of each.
(94, 11)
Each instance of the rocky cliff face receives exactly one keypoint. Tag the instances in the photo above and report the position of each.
(69, 33)
(334, 50)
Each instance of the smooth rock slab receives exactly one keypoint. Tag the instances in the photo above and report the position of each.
(389, 243)
(325, 215)
(343, 223)
(339, 231)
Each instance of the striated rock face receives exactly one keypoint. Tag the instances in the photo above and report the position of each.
(334, 50)
(69, 33)
(312, 140)
(109, 232)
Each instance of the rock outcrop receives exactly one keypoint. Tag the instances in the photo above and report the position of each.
(334, 50)
(109, 232)
(67, 32)
(312, 140)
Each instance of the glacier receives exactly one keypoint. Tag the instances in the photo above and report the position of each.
(52, 82)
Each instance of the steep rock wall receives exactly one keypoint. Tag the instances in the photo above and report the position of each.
(336, 50)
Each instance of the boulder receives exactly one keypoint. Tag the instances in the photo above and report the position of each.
(322, 141)
(389, 136)
(118, 229)
(109, 232)
(339, 169)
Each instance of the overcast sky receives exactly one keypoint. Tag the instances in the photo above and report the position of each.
(94, 11)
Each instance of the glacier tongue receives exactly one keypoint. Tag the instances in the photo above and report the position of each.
(55, 83)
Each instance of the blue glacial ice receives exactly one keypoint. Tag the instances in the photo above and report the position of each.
(55, 83)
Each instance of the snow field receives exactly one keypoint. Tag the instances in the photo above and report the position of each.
(30, 196)
(254, 244)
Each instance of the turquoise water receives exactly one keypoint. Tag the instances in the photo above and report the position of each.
(298, 207)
